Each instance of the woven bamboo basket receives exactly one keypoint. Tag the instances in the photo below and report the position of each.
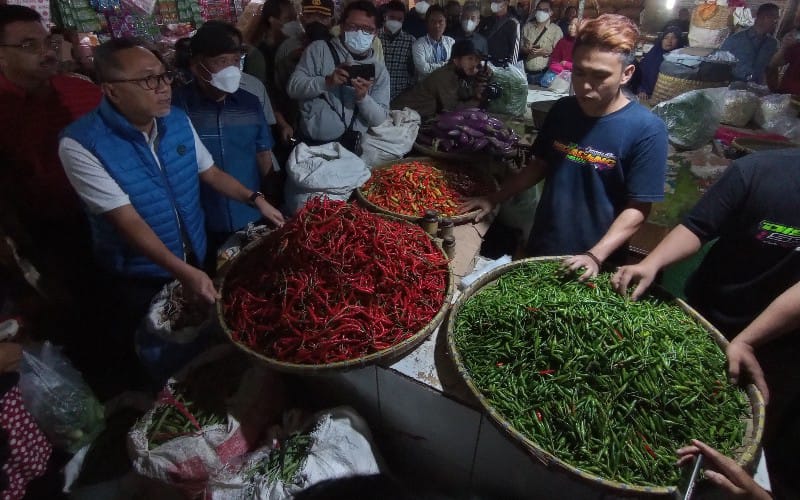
(668, 86)
(746, 455)
(457, 219)
(456, 157)
(390, 355)
(720, 20)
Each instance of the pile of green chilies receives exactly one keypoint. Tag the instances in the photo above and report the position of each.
(284, 461)
(171, 419)
(610, 386)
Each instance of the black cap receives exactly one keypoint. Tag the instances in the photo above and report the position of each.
(464, 48)
(324, 7)
(215, 38)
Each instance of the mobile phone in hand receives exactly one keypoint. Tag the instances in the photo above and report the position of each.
(689, 477)
(365, 71)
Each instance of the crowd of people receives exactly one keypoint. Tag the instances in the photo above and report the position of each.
(121, 186)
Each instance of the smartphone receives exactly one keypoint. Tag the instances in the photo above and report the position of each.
(365, 71)
(689, 477)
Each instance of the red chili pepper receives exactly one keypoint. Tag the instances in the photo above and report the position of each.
(590, 284)
(500, 364)
(546, 372)
(539, 416)
(619, 335)
(335, 283)
(532, 309)
(647, 447)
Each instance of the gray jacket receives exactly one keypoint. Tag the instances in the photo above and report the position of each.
(321, 109)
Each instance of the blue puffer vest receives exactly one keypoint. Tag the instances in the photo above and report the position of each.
(158, 196)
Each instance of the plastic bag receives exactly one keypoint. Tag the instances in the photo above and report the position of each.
(59, 399)
(514, 98)
(737, 107)
(340, 446)
(547, 78)
(562, 82)
(691, 119)
(771, 107)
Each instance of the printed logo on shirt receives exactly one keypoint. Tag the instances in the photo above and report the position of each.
(778, 234)
(599, 160)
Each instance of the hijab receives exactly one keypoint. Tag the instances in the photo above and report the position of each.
(651, 62)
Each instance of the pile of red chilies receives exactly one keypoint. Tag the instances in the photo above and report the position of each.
(333, 284)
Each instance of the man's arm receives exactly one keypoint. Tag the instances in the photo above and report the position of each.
(419, 53)
(624, 226)
(140, 236)
(532, 174)
(779, 318)
(307, 80)
(373, 108)
(264, 159)
(233, 189)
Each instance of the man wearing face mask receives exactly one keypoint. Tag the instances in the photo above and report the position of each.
(316, 19)
(433, 50)
(539, 37)
(414, 23)
(459, 84)
(137, 164)
(331, 101)
(467, 28)
(397, 48)
(502, 34)
(230, 122)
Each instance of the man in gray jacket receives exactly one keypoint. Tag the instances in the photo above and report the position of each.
(332, 94)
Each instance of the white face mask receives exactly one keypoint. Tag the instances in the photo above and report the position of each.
(358, 42)
(542, 16)
(469, 25)
(292, 29)
(422, 7)
(495, 7)
(226, 80)
(393, 26)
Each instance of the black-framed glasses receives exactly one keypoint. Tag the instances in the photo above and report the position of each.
(152, 82)
(36, 46)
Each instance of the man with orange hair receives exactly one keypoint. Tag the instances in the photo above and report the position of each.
(602, 155)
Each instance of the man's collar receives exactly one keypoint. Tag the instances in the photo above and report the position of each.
(431, 40)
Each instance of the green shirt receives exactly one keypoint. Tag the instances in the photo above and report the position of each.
(442, 90)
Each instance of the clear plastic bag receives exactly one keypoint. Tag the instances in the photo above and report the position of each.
(59, 399)
(771, 108)
(691, 118)
(736, 106)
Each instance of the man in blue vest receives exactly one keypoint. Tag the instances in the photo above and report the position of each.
(136, 163)
(229, 121)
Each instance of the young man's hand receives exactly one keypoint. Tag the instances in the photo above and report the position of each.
(641, 275)
(742, 358)
(361, 87)
(724, 472)
(482, 203)
(198, 284)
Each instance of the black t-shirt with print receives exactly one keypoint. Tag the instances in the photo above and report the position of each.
(754, 209)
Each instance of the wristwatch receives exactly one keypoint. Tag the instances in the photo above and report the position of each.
(254, 196)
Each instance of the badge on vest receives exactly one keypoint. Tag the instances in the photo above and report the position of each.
(181, 149)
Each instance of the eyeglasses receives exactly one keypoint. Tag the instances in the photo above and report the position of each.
(152, 82)
(355, 27)
(36, 46)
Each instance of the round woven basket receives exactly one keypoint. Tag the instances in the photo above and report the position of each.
(668, 86)
(389, 355)
(745, 456)
(457, 219)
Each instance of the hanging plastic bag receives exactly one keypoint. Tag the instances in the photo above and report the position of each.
(547, 78)
(58, 398)
(514, 84)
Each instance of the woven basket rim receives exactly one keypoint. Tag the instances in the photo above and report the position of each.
(457, 219)
(747, 455)
(394, 352)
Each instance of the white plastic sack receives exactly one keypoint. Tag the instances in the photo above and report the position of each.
(162, 312)
(704, 37)
(189, 461)
(743, 17)
(59, 400)
(341, 447)
(330, 170)
(562, 82)
(392, 139)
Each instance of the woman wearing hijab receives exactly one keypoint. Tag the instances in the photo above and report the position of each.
(644, 80)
